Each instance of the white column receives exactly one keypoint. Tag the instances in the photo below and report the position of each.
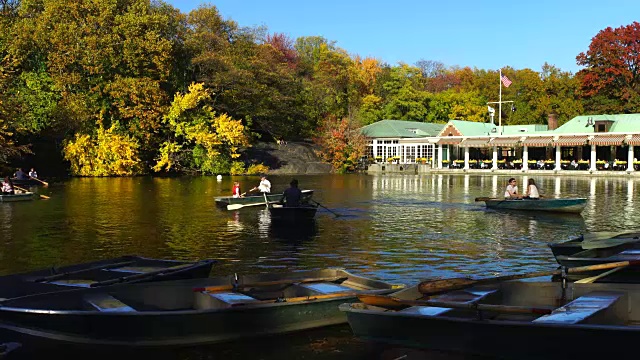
(525, 158)
(466, 158)
(593, 158)
(375, 149)
(630, 159)
(495, 158)
(439, 156)
(558, 158)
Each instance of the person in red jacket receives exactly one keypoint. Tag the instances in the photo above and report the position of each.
(236, 190)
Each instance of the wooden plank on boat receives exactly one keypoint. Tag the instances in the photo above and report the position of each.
(587, 309)
(107, 303)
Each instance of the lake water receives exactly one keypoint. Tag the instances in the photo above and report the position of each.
(399, 228)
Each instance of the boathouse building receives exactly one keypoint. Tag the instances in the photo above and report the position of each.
(587, 142)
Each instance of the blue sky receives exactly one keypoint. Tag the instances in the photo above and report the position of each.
(483, 34)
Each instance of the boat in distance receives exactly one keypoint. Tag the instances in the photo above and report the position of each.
(124, 269)
(255, 200)
(185, 312)
(509, 320)
(24, 196)
(561, 205)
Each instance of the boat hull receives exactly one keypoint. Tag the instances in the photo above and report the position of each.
(27, 182)
(293, 214)
(510, 336)
(29, 283)
(17, 197)
(162, 320)
(256, 200)
(571, 205)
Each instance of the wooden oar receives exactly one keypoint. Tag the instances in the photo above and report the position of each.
(240, 206)
(165, 271)
(485, 198)
(593, 279)
(61, 275)
(269, 283)
(433, 287)
(25, 190)
(391, 302)
(326, 208)
(36, 179)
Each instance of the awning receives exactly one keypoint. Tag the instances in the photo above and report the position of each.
(449, 141)
(635, 140)
(538, 141)
(475, 142)
(506, 141)
(571, 140)
(607, 140)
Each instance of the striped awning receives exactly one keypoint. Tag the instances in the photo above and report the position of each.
(505, 141)
(449, 141)
(571, 140)
(475, 142)
(538, 141)
(635, 140)
(607, 140)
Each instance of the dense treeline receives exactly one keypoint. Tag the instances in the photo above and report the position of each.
(124, 87)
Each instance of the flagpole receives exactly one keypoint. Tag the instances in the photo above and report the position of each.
(500, 103)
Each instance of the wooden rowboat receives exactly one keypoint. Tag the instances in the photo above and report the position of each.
(25, 196)
(125, 269)
(565, 205)
(185, 312)
(292, 215)
(256, 200)
(510, 320)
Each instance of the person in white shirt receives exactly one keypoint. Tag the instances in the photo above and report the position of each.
(33, 173)
(512, 190)
(532, 190)
(265, 185)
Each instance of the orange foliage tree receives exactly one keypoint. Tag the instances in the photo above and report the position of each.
(341, 143)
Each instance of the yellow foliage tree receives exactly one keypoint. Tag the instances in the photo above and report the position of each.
(199, 139)
(106, 153)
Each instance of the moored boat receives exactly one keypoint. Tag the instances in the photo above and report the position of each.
(292, 215)
(186, 312)
(24, 196)
(125, 269)
(600, 240)
(256, 200)
(511, 320)
(564, 205)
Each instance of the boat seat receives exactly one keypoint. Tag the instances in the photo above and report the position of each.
(595, 307)
(73, 282)
(325, 287)
(461, 296)
(223, 299)
(135, 269)
(106, 303)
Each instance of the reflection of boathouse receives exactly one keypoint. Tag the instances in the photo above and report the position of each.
(594, 143)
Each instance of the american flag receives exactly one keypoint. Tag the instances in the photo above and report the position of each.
(505, 80)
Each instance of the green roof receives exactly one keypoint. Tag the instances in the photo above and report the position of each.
(401, 129)
(621, 123)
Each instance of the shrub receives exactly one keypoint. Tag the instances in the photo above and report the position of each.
(256, 169)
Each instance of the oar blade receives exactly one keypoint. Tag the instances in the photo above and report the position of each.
(234, 206)
(431, 287)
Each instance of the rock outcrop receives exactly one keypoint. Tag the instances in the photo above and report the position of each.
(288, 159)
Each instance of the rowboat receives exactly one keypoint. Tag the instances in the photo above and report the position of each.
(185, 312)
(581, 252)
(125, 269)
(292, 215)
(255, 200)
(25, 196)
(511, 320)
(564, 205)
(595, 240)
(26, 182)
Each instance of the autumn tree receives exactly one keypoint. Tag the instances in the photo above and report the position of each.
(611, 77)
(341, 143)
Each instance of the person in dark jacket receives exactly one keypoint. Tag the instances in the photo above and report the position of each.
(292, 195)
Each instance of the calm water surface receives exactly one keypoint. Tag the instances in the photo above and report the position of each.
(399, 228)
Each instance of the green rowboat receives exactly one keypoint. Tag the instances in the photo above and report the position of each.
(224, 201)
(17, 197)
(565, 205)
